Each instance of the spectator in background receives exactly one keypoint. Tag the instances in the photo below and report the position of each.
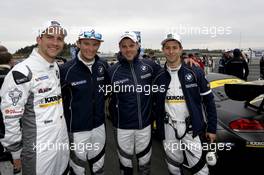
(145, 56)
(261, 66)
(190, 55)
(3, 49)
(184, 56)
(5, 66)
(199, 60)
(208, 62)
(222, 62)
(5, 59)
(244, 56)
(237, 66)
(153, 57)
(211, 63)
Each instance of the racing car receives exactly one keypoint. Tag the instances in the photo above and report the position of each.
(240, 124)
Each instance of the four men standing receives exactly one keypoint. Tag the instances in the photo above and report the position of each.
(31, 93)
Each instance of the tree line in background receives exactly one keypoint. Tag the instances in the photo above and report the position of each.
(25, 51)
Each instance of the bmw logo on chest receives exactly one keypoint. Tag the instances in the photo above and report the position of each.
(189, 77)
(100, 70)
(143, 68)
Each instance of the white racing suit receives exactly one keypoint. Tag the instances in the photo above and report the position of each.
(33, 117)
(176, 149)
(88, 145)
(129, 140)
(179, 141)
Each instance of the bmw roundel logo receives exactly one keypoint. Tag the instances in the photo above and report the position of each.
(100, 70)
(144, 68)
(189, 77)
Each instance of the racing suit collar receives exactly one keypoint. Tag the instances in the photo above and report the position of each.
(173, 69)
(166, 66)
(85, 63)
(42, 60)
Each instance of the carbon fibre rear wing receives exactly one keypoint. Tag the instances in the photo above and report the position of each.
(250, 92)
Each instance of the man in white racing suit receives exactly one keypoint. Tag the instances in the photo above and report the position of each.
(186, 112)
(35, 128)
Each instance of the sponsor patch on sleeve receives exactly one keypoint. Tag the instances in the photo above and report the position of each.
(15, 95)
(45, 77)
(13, 112)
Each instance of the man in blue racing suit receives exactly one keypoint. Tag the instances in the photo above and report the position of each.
(83, 103)
(131, 79)
(185, 111)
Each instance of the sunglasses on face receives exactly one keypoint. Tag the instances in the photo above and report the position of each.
(92, 34)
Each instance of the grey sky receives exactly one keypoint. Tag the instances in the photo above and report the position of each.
(240, 22)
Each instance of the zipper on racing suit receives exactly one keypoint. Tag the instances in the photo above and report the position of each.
(138, 97)
(117, 108)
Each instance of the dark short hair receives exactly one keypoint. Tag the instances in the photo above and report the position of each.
(190, 55)
(3, 49)
(5, 57)
(236, 52)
